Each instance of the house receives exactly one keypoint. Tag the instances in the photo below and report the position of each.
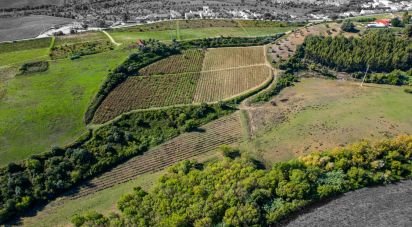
(382, 23)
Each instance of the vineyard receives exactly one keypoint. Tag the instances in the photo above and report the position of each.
(188, 61)
(224, 58)
(183, 79)
(227, 130)
(218, 85)
(145, 92)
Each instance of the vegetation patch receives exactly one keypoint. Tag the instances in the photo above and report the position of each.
(238, 193)
(147, 92)
(284, 81)
(34, 67)
(80, 49)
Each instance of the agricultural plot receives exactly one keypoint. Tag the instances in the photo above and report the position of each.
(188, 61)
(146, 92)
(218, 85)
(226, 58)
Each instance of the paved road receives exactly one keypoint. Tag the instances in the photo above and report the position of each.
(389, 205)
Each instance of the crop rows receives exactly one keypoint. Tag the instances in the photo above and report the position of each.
(189, 61)
(218, 85)
(145, 92)
(222, 58)
(226, 130)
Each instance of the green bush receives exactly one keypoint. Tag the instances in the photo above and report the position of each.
(33, 67)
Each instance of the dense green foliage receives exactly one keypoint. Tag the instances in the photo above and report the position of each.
(396, 77)
(348, 26)
(43, 176)
(80, 49)
(382, 50)
(229, 41)
(235, 192)
(284, 81)
(151, 52)
(34, 67)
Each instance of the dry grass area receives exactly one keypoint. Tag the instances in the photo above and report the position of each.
(146, 92)
(224, 58)
(319, 114)
(286, 47)
(188, 61)
(217, 85)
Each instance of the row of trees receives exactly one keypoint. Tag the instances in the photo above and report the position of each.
(44, 176)
(381, 50)
(236, 192)
(230, 41)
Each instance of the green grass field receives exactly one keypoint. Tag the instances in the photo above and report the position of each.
(320, 114)
(196, 33)
(46, 109)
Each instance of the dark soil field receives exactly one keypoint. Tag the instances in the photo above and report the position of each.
(16, 28)
(389, 205)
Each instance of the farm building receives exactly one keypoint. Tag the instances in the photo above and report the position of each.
(382, 23)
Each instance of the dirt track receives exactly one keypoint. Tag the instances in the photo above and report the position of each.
(389, 205)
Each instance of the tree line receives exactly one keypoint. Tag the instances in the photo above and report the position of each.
(381, 50)
(239, 192)
(42, 177)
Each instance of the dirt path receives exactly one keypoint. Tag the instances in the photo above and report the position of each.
(389, 205)
(111, 38)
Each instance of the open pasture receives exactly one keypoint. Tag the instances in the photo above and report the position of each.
(223, 84)
(319, 114)
(80, 38)
(46, 109)
(24, 51)
(146, 92)
(226, 58)
(188, 61)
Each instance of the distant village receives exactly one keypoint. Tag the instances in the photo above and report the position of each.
(95, 14)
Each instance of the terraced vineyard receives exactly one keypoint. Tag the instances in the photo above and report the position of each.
(145, 92)
(188, 61)
(224, 58)
(218, 85)
(227, 130)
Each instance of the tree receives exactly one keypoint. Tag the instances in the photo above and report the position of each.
(396, 22)
(406, 18)
(348, 26)
(408, 31)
